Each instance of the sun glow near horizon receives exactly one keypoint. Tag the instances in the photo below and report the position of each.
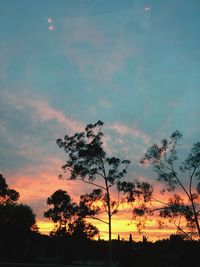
(120, 227)
(123, 225)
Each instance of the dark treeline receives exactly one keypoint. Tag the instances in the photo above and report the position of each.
(67, 250)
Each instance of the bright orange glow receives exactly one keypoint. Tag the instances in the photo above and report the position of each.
(36, 188)
(123, 227)
(45, 226)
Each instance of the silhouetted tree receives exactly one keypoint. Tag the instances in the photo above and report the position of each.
(87, 160)
(7, 195)
(17, 221)
(144, 239)
(174, 175)
(68, 217)
(80, 229)
(13, 215)
(130, 238)
(62, 212)
(18, 217)
(118, 237)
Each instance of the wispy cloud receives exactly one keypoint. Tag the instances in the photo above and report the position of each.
(82, 29)
(43, 111)
(123, 129)
(93, 51)
(105, 103)
(36, 184)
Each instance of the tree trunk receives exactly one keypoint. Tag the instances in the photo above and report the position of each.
(110, 258)
(195, 217)
(193, 205)
(109, 226)
(110, 240)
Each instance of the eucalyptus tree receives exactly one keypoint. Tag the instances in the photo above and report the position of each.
(87, 161)
(177, 177)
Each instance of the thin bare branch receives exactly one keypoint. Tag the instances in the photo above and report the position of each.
(98, 219)
(88, 182)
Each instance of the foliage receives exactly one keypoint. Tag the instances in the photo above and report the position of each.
(80, 229)
(63, 209)
(7, 195)
(17, 224)
(16, 217)
(12, 215)
(86, 161)
(164, 159)
(68, 217)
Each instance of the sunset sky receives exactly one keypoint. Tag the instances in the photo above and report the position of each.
(133, 64)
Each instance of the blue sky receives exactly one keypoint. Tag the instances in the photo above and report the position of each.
(133, 64)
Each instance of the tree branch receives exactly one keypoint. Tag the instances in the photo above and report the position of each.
(159, 201)
(191, 177)
(87, 182)
(98, 219)
(180, 229)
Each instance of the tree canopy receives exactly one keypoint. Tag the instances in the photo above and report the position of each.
(14, 216)
(68, 216)
(177, 177)
(88, 161)
(7, 195)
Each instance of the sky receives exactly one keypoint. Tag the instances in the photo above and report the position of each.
(133, 64)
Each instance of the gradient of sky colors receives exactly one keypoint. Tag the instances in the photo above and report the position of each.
(134, 64)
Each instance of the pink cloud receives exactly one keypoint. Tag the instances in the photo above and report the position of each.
(123, 129)
(42, 111)
(46, 113)
(36, 184)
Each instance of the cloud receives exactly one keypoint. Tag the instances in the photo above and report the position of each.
(123, 129)
(29, 129)
(82, 29)
(46, 113)
(105, 103)
(97, 55)
(42, 111)
(36, 183)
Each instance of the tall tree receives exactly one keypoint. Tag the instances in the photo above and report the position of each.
(184, 176)
(87, 161)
